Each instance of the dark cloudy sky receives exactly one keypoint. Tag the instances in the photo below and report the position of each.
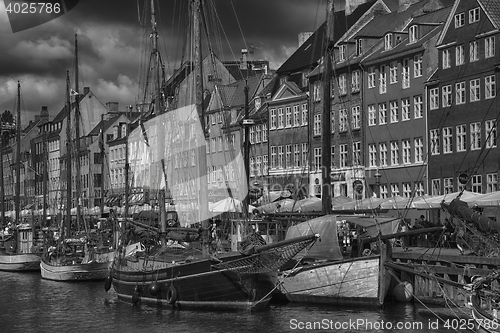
(109, 43)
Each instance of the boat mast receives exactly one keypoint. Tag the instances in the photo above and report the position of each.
(44, 178)
(68, 157)
(2, 192)
(246, 128)
(18, 154)
(202, 164)
(326, 158)
(101, 148)
(77, 141)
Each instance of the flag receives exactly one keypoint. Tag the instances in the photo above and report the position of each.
(73, 92)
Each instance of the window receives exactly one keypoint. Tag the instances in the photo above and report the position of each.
(405, 109)
(280, 157)
(406, 151)
(342, 85)
(288, 117)
(264, 133)
(382, 80)
(343, 156)
(288, 156)
(473, 51)
(447, 140)
(407, 190)
(317, 91)
(372, 115)
(446, 59)
(459, 55)
(317, 124)
(417, 65)
(252, 166)
(489, 47)
(274, 123)
(448, 185)
(317, 159)
(417, 106)
(273, 157)
(332, 87)
(394, 153)
(258, 166)
(383, 154)
(477, 184)
(304, 154)
(474, 15)
(332, 120)
(491, 182)
(413, 32)
(434, 98)
(342, 52)
(388, 41)
(382, 114)
(393, 105)
(394, 189)
(296, 155)
(281, 120)
(459, 20)
(436, 187)
(393, 72)
(384, 193)
(304, 114)
(355, 81)
(356, 153)
(489, 87)
(434, 141)
(252, 135)
(491, 133)
(371, 77)
(475, 90)
(372, 155)
(461, 143)
(296, 116)
(475, 136)
(446, 100)
(359, 46)
(332, 157)
(342, 120)
(406, 74)
(460, 93)
(258, 137)
(419, 150)
(356, 117)
(419, 188)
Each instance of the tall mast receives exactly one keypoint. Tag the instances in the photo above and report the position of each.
(246, 128)
(101, 148)
(326, 158)
(202, 164)
(77, 141)
(68, 157)
(2, 192)
(18, 154)
(44, 178)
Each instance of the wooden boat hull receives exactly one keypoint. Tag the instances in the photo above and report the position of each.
(19, 262)
(354, 282)
(485, 321)
(195, 286)
(76, 272)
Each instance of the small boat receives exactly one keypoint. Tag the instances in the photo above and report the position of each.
(323, 275)
(17, 252)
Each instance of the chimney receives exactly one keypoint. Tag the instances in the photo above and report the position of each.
(44, 114)
(86, 90)
(303, 36)
(351, 5)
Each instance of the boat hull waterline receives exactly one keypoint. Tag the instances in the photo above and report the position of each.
(77, 272)
(19, 262)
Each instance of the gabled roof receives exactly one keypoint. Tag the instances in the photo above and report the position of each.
(233, 94)
(313, 48)
(106, 124)
(286, 90)
(492, 10)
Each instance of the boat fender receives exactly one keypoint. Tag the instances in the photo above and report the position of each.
(154, 288)
(367, 252)
(403, 292)
(136, 295)
(171, 295)
(107, 283)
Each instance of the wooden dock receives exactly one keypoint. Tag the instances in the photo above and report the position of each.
(428, 266)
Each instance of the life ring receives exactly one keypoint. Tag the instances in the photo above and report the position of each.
(171, 295)
(367, 252)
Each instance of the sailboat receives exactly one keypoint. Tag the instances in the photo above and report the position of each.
(72, 256)
(185, 272)
(18, 249)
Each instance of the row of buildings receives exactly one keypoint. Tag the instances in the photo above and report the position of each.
(413, 111)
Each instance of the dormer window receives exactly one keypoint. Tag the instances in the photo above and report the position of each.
(413, 32)
(342, 52)
(359, 46)
(388, 41)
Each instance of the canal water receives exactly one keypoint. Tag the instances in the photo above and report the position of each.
(30, 304)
